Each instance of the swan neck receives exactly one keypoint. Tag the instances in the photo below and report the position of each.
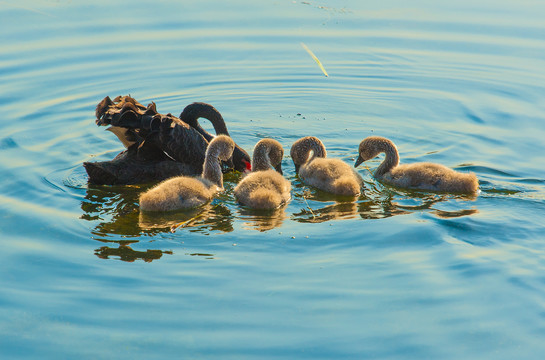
(261, 162)
(193, 112)
(317, 150)
(306, 149)
(212, 171)
(217, 121)
(391, 159)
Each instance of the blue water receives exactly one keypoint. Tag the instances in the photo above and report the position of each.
(393, 275)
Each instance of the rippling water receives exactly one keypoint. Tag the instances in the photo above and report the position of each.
(395, 274)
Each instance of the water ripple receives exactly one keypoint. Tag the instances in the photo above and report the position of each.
(431, 275)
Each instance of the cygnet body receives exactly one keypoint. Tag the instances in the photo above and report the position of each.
(419, 176)
(184, 192)
(265, 188)
(331, 175)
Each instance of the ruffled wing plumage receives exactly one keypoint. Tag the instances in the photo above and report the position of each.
(144, 124)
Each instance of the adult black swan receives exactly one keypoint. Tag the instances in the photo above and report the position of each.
(158, 146)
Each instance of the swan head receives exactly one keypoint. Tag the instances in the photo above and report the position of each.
(268, 152)
(222, 147)
(305, 149)
(247, 166)
(370, 147)
(227, 165)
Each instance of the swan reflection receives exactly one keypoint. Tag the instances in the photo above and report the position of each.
(336, 211)
(114, 211)
(126, 253)
(263, 220)
(115, 216)
(390, 203)
(376, 204)
(205, 219)
(313, 211)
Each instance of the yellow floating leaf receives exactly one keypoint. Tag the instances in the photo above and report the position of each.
(315, 58)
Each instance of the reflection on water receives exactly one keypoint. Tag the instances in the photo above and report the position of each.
(336, 211)
(456, 83)
(171, 220)
(126, 253)
(115, 211)
(377, 202)
(379, 209)
(400, 202)
(313, 211)
(205, 219)
(454, 214)
(118, 221)
(262, 220)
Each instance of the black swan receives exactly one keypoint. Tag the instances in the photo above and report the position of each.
(158, 146)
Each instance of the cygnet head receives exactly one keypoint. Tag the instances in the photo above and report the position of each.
(220, 147)
(268, 152)
(305, 149)
(371, 146)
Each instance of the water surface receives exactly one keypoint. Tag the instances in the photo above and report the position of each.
(394, 274)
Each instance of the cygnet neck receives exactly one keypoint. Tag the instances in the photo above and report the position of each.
(221, 148)
(391, 159)
(267, 153)
(306, 149)
(212, 171)
(316, 150)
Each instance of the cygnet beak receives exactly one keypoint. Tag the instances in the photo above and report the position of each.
(296, 168)
(227, 166)
(359, 160)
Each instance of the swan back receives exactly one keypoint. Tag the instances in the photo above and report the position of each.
(180, 192)
(433, 177)
(331, 175)
(263, 190)
(165, 133)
